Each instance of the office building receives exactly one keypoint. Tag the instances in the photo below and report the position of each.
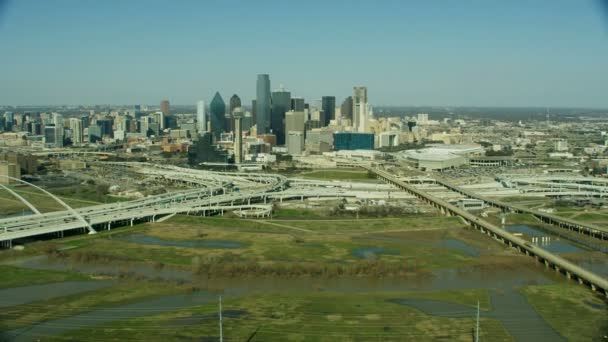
(295, 143)
(238, 136)
(165, 108)
(360, 109)
(295, 121)
(9, 121)
(217, 115)
(346, 109)
(297, 104)
(77, 131)
(263, 104)
(49, 135)
(201, 118)
(95, 134)
(328, 105)
(106, 126)
(353, 141)
(8, 169)
(281, 104)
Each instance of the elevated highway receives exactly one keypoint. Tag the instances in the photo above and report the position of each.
(561, 265)
(581, 227)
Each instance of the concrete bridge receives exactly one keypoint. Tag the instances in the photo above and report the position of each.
(585, 228)
(559, 264)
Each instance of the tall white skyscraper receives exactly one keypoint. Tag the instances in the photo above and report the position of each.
(360, 109)
(201, 118)
(77, 133)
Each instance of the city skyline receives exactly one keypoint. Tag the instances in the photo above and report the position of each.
(482, 54)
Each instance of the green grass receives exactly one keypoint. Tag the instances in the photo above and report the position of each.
(412, 222)
(566, 308)
(343, 175)
(308, 317)
(304, 243)
(16, 276)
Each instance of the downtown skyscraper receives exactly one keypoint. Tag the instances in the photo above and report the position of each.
(201, 118)
(328, 105)
(360, 109)
(281, 103)
(217, 115)
(263, 104)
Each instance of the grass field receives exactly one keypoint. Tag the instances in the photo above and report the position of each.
(16, 276)
(412, 243)
(339, 174)
(568, 308)
(303, 248)
(307, 317)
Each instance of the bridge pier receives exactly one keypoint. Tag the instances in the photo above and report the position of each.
(131, 223)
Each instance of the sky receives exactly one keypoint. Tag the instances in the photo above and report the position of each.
(551, 53)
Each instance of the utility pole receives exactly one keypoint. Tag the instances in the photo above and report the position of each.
(476, 328)
(221, 335)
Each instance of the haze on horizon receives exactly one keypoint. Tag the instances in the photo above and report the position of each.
(473, 53)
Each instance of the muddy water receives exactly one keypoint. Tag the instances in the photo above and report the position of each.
(106, 315)
(511, 308)
(26, 294)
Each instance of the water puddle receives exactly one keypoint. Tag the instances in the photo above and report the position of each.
(509, 307)
(27, 294)
(460, 246)
(553, 245)
(372, 253)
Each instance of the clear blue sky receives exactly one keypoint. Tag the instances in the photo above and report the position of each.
(481, 53)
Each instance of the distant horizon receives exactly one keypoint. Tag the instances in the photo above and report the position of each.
(248, 104)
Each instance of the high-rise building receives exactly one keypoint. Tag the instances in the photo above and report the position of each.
(328, 105)
(295, 121)
(12, 170)
(281, 103)
(263, 104)
(106, 126)
(144, 126)
(201, 118)
(217, 112)
(295, 143)
(360, 109)
(58, 130)
(297, 104)
(50, 136)
(77, 132)
(238, 136)
(235, 102)
(346, 109)
(165, 107)
(9, 121)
